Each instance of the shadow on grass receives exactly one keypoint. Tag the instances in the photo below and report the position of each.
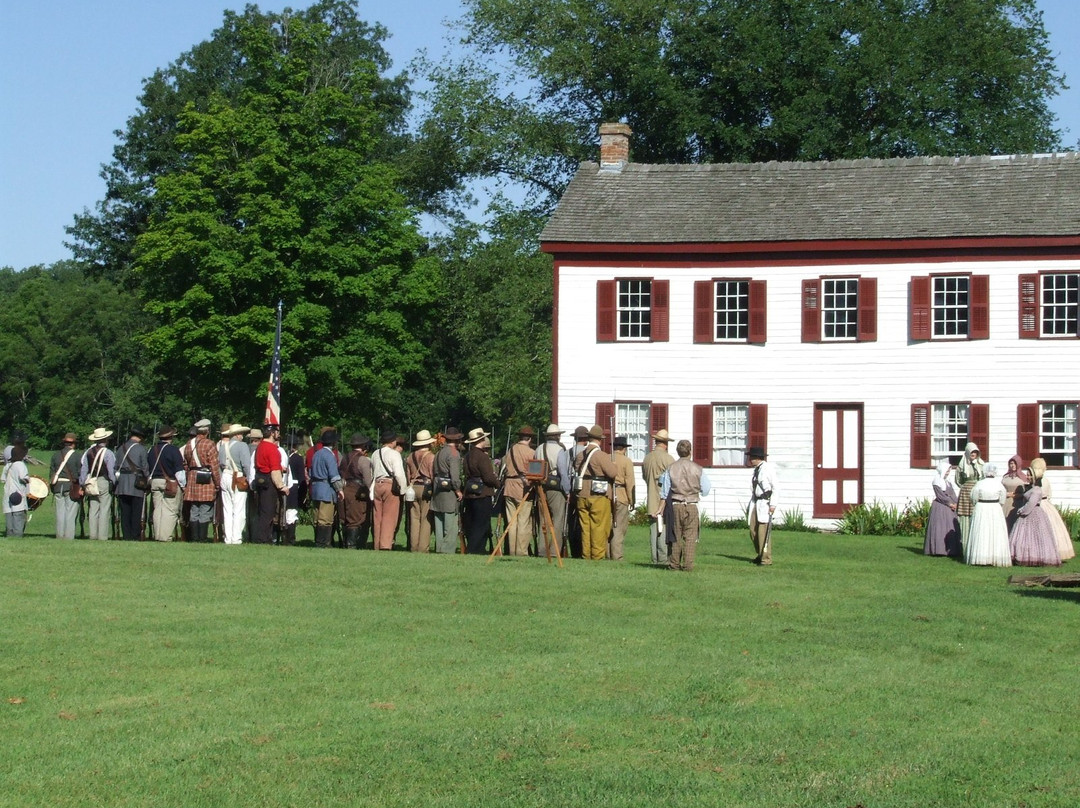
(919, 552)
(1071, 596)
(747, 558)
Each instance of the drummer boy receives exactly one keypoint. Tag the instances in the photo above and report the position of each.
(16, 488)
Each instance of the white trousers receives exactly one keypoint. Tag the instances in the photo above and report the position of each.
(233, 509)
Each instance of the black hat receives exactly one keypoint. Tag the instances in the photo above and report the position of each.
(581, 433)
(620, 440)
(271, 428)
(167, 431)
(329, 438)
(756, 451)
(453, 434)
(359, 440)
(387, 436)
(137, 431)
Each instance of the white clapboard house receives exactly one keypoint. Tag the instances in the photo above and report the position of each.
(859, 319)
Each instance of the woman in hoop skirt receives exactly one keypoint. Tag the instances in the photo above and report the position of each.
(1032, 538)
(943, 528)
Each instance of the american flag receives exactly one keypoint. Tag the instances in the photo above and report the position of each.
(273, 389)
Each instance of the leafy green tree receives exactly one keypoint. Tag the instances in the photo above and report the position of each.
(740, 80)
(501, 325)
(260, 166)
(70, 362)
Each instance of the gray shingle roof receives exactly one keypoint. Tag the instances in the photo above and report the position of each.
(921, 197)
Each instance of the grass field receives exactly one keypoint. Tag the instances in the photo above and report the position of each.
(854, 672)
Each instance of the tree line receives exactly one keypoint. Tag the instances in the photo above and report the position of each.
(282, 158)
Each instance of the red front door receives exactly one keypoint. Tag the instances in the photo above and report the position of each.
(838, 459)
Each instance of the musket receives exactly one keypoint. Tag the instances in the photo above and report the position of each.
(768, 535)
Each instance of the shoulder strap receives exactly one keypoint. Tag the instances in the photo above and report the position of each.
(99, 459)
(63, 463)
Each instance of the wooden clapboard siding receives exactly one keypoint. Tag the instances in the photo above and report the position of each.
(886, 376)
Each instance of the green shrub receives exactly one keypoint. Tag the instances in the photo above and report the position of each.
(879, 519)
(1071, 517)
(793, 520)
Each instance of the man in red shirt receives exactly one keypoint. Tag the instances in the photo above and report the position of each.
(269, 483)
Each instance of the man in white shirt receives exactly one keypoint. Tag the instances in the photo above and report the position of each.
(763, 487)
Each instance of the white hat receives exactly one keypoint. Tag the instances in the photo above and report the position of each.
(662, 435)
(553, 429)
(237, 429)
(423, 438)
(100, 434)
(477, 435)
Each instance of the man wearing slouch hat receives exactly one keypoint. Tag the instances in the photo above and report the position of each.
(63, 472)
(356, 472)
(597, 474)
(389, 475)
(517, 489)
(131, 465)
(167, 478)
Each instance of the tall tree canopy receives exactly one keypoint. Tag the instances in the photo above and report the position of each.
(741, 80)
(261, 165)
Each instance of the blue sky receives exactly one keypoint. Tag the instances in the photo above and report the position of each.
(70, 72)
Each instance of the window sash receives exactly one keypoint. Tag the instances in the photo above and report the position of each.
(951, 305)
(632, 421)
(1057, 433)
(948, 430)
(1060, 304)
(730, 434)
(732, 310)
(840, 308)
(635, 309)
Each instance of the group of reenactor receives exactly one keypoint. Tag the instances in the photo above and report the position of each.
(549, 500)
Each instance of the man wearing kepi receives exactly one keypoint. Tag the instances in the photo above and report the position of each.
(763, 486)
(203, 471)
(685, 482)
(326, 487)
(64, 470)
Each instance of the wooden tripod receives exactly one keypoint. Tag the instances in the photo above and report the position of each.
(547, 528)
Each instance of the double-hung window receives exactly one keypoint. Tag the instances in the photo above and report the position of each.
(632, 310)
(637, 421)
(1050, 305)
(723, 431)
(1049, 430)
(729, 310)
(950, 306)
(839, 309)
(940, 431)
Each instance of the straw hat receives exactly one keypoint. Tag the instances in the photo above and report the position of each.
(101, 433)
(237, 429)
(662, 436)
(477, 435)
(423, 438)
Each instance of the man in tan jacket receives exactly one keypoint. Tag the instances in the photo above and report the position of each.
(597, 473)
(655, 464)
(624, 498)
(517, 491)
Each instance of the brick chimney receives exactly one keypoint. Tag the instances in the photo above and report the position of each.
(614, 146)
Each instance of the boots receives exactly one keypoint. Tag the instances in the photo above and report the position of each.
(323, 535)
(288, 534)
(350, 538)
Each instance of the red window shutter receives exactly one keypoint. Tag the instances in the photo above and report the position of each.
(920, 326)
(811, 310)
(979, 308)
(1029, 310)
(920, 436)
(606, 314)
(605, 417)
(759, 426)
(704, 311)
(979, 427)
(867, 328)
(757, 314)
(1028, 445)
(658, 331)
(702, 444)
(658, 418)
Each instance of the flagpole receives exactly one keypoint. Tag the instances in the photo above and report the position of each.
(273, 389)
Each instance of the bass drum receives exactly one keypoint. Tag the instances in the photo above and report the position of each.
(36, 492)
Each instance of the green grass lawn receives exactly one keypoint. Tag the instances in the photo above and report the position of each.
(855, 671)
